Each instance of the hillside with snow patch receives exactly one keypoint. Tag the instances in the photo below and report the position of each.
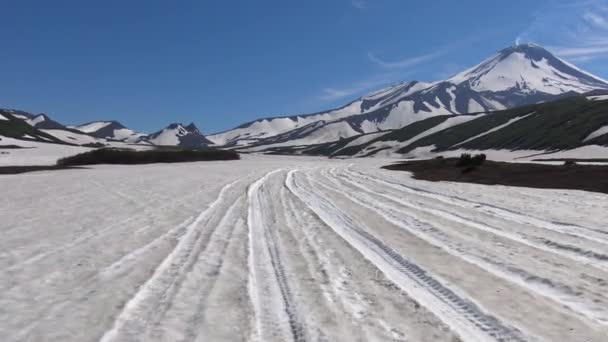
(516, 76)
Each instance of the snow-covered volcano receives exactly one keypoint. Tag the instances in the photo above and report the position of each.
(527, 68)
(515, 76)
(177, 134)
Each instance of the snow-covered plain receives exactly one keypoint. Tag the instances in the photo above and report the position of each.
(285, 248)
(35, 153)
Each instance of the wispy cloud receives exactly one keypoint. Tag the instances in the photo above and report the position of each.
(359, 4)
(574, 29)
(406, 62)
(411, 61)
(395, 71)
(596, 20)
(337, 93)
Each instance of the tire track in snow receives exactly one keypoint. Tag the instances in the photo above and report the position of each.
(187, 306)
(350, 296)
(579, 232)
(585, 233)
(339, 296)
(128, 260)
(275, 312)
(133, 321)
(432, 232)
(569, 251)
(461, 314)
(149, 212)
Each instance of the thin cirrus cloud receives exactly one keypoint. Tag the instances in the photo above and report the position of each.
(332, 94)
(406, 62)
(393, 70)
(576, 30)
(359, 4)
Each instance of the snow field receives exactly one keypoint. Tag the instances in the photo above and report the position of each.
(296, 249)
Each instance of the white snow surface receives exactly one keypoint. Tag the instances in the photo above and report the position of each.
(389, 148)
(475, 107)
(36, 153)
(2, 117)
(72, 137)
(384, 91)
(93, 126)
(20, 116)
(35, 120)
(394, 90)
(123, 134)
(514, 71)
(517, 71)
(404, 114)
(270, 127)
(497, 128)
(331, 132)
(583, 152)
(296, 249)
(169, 136)
(39, 153)
(599, 132)
(598, 97)
(364, 139)
(126, 134)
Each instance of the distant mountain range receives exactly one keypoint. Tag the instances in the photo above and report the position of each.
(558, 125)
(41, 128)
(501, 95)
(516, 76)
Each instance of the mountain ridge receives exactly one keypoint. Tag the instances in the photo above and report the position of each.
(516, 76)
(497, 83)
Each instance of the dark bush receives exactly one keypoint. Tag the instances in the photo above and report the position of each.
(94, 145)
(569, 163)
(469, 169)
(466, 160)
(478, 159)
(124, 156)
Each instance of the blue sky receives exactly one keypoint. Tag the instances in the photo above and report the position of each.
(147, 63)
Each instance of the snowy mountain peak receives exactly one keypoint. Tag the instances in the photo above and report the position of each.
(391, 94)
(192, 128)
(515, 76)
(528, 49)
(111, 129)
(176, 134)
(42, 121)
(527, 68)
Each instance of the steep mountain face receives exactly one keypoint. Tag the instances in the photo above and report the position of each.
(13, 124)
(42, 121)
(27, 126)
(525, 69)
(516, 76)
(563, 124)
(41, 128)
(177, 134)
(255, 131)
(112, 130)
